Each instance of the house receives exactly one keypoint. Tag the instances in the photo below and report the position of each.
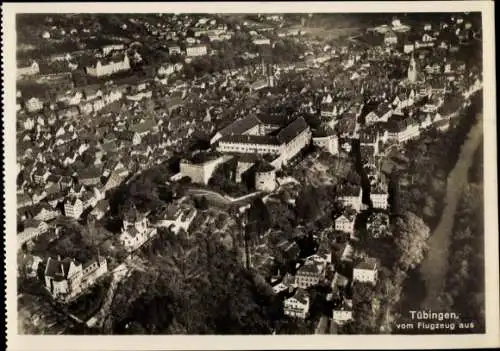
(370, 137)
(403, 128)
(68, 112)
(100, 209)
(408, 47)
(107, 49)
(381, 114)
(117, 175)
(116, 64)
(345, 222)
(136, 232)
(261, 41)
(30, 70)
(91, 197)
(33, 104)
(343, 313)
(130, 136)
(40, 175)
(31, 264)
(427, 38)
(166, 70)
(297, 305)
(177, 218)
(73, 207)
(280, 287)
(351, 196)
(90, 176)
(311, 273)
(339, 282)
(32, 229)
(174, 49)
(66, 279)
(390, 38)
(46, 213)
(196, 50)
(366, 271)
(329, 143)
(379, 196)
(23, 200)
(328, 108)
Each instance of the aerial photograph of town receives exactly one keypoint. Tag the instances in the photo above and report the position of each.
(251, 174)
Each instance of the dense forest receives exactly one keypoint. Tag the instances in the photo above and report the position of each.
(198, 288)
(428, 167)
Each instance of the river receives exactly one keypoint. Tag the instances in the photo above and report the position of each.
(434, 268)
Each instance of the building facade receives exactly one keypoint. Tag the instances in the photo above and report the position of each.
(298, 305)
(112, 67)
(366, 272)
(66, 279)
(73, 207)
(197, 50)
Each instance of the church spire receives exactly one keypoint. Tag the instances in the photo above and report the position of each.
(412, 70)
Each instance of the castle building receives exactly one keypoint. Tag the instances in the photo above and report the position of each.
(250, 135)
(201, 167)
(265, 177)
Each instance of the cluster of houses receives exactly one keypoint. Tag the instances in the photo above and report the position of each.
(66, 279)
(319, 269)
(67, 165)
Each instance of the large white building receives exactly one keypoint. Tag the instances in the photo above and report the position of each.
(103, 68)
(251, 136)
(196, 50)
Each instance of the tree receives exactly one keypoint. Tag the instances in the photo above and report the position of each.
(411, 234)
(258, 216)
(307, 206)
(201, 203)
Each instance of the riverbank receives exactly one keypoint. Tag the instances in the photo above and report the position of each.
(435, 265)
(425, 282)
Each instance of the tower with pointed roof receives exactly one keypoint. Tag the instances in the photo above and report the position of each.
(412, 70)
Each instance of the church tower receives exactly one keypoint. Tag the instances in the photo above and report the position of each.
(412, 70)
(270, 76)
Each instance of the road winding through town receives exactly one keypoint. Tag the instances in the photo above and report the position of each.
(435, 265)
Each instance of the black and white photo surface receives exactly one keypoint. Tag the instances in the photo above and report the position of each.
(184, 170)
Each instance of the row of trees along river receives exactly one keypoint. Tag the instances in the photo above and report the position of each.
(428, 286)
